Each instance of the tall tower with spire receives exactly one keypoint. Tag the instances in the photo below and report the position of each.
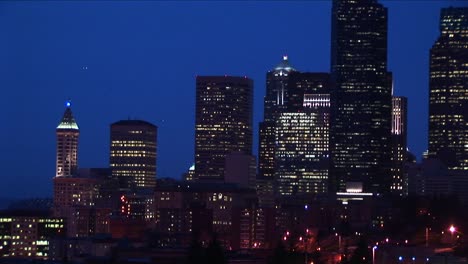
(275, 102)
(67, 144)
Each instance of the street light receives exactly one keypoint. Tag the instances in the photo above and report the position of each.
(452, 230)
(339, 242)
(427, 236)
(373, 254)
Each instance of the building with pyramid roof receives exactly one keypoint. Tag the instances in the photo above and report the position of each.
(67, 144)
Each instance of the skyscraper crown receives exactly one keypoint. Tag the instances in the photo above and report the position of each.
(284, 65)
(68, 121)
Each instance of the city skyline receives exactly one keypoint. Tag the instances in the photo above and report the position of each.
(335, 182)
(95, 113)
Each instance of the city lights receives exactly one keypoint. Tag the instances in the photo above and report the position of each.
(333, 178)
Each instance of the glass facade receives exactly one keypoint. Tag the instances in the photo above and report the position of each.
(275, 102)
(361, 99)
(448, 91)
(302, 136)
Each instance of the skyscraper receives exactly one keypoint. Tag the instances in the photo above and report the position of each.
(302, 136)
(275, 102)
(67, 144)
(448, 91)
(361, 100)
(223, 122)
(399, 146)
(133, 153)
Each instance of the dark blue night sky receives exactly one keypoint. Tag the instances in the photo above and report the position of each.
(119, 60)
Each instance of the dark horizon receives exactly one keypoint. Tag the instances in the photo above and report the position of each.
(120, 60)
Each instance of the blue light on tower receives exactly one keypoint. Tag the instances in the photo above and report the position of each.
(68, 103)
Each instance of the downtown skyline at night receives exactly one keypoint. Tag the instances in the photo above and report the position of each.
(100, 90)
(316, 132)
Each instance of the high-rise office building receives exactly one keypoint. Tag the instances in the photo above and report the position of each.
(448, 91)
(67, 144)
(223, 122)
(133, 151)
(266, 149)
(362, 99)
(399, 147)
(302, 136)
(275, 102)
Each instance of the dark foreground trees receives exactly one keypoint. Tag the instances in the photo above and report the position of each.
(212, 254)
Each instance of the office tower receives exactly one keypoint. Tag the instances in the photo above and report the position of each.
(74, 198)
(266, 149)
(223, 122)
(361, 100)
(275, 102)
(302, 137)
(67, 144)
(399, 148)
(85, 201)
(448, 91)
(83, 189)
(133, 153)
(74, 191)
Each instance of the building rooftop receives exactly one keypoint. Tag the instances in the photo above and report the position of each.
(68, 121)
(132, 122)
